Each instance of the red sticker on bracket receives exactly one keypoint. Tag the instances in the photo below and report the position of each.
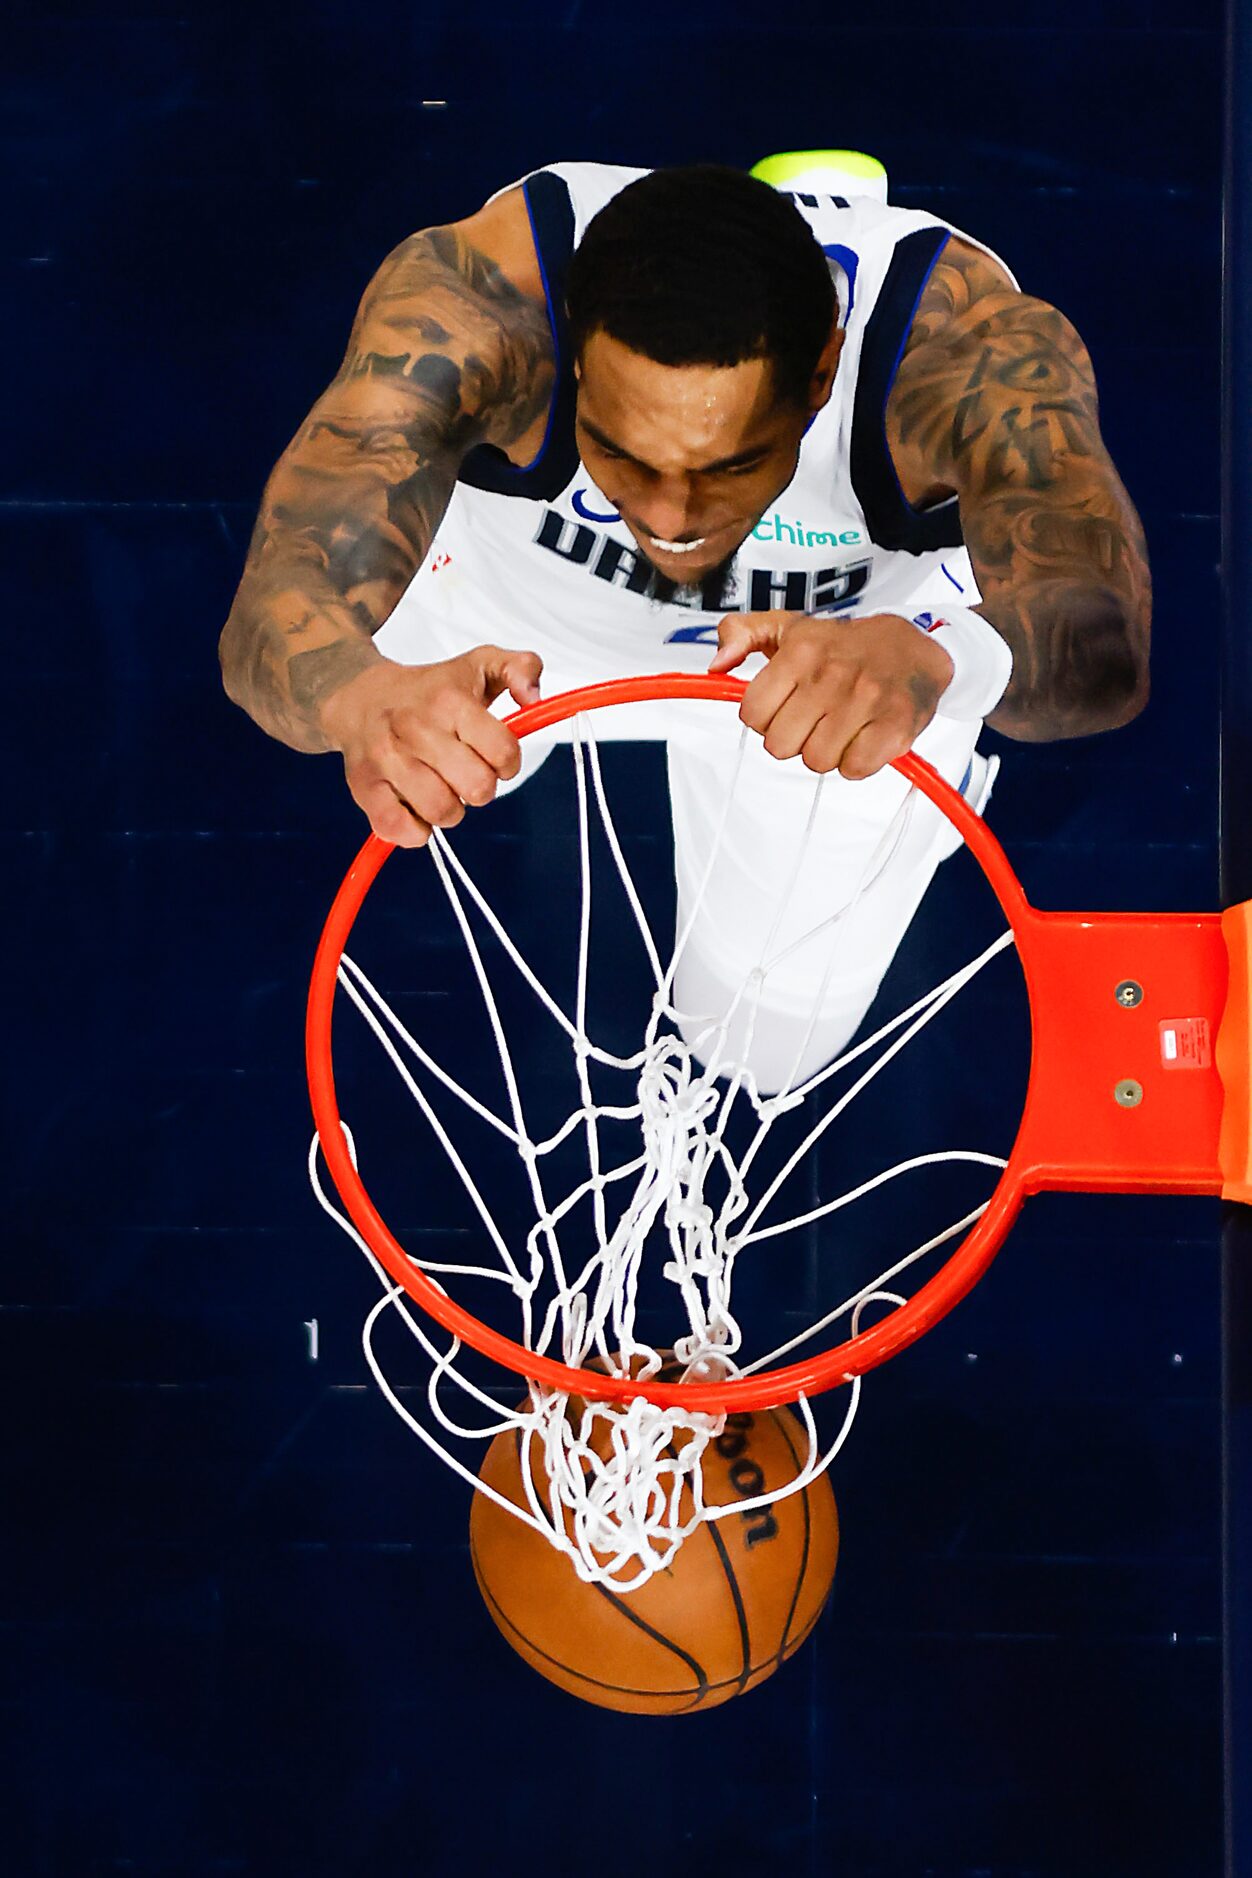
(1185, 1043)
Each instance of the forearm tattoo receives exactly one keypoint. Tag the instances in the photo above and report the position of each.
(996, 398)
(445, 353)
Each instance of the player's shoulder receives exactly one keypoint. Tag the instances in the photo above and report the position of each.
(500, 231)
(967, 281)
(503, 230)
(973, 307)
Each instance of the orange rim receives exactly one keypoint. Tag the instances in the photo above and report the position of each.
(769, 1388)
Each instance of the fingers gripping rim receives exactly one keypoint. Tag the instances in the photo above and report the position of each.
(770, 1388)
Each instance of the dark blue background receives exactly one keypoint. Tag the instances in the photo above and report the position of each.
(241, 1634)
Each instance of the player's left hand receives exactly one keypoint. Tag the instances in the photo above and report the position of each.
(846, 694)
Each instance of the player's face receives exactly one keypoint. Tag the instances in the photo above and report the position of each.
(691, 456)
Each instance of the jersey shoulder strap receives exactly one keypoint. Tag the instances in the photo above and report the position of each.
(891, 519)
(551, 213)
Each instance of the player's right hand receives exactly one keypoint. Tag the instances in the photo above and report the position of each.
(419, 743)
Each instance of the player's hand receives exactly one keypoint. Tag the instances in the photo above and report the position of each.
(419, 743)
(845, 694)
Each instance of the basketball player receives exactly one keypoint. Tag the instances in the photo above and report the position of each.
(619, 422)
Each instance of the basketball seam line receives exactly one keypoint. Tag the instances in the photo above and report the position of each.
(505, 1623)
(741, 1616)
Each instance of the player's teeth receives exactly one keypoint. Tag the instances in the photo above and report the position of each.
(676, 547)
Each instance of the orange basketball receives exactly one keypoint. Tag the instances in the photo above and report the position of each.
(740, 1596)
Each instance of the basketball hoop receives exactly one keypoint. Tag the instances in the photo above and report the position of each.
(1138, 1081)
(1107, 1109)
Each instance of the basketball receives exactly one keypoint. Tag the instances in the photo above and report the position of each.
(739, 1597)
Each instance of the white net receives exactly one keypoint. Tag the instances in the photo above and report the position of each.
(618, 1487)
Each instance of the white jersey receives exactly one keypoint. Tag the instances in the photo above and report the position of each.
(538, 557)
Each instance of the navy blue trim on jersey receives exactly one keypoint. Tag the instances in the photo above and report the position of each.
(542, 479)
(849, 262)
(812, 201)
(892, 520)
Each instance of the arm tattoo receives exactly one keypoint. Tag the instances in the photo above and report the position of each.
(960, 278)
(445, 353)
(996, 399)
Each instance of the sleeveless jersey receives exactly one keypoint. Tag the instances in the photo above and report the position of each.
(537, 556)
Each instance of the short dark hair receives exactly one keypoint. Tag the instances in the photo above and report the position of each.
(704, 265)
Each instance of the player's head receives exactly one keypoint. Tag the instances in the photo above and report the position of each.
(705, 327)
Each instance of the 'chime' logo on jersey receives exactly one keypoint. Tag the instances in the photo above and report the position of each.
(756, 590)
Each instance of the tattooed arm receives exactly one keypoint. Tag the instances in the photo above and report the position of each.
(996, 399)
(446, 352)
